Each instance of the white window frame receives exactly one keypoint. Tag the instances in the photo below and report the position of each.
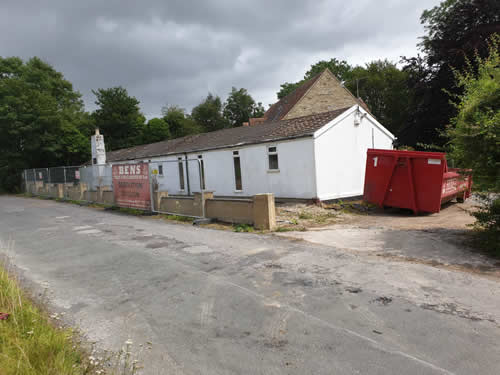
(269, 153)
(236, 154)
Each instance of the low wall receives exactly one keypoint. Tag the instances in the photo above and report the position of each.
(107, 197)
(259, 210)
(230, 210)
(178, 205)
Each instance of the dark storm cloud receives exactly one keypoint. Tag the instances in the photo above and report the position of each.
(175, 52)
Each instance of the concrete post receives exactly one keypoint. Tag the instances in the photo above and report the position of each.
(199, 202)
(264, 212)
(60, 190)
(157, 196)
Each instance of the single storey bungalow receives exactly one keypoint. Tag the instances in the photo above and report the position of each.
(310, 145)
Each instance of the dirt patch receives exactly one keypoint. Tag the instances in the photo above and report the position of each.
(299, 216)
(439, 240)
(314, 217)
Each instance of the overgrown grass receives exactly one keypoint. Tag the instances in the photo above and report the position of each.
(184, 219)
(29, 343)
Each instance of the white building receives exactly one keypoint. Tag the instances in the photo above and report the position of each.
(319, 155)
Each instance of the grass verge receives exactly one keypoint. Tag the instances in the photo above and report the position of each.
(29, 343)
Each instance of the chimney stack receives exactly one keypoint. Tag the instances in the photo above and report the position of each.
(98, 149)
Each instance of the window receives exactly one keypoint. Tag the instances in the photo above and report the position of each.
(160, 169)
(237, 171)
(94, 161)
(181, 173)
(202, 172)
(272, 154)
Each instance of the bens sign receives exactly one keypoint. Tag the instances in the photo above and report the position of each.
(131, 186)
(132, 169)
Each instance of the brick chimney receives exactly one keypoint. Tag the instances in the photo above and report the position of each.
(256, 121)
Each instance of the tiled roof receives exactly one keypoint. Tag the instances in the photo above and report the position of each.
(279, 109)
(266, 132)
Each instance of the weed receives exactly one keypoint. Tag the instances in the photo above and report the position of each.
(243, 228)
(290, 229)
(185, 219)
(126, 210)
(305, 215)
(294, 221)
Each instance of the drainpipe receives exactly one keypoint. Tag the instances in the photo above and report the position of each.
(187, 174)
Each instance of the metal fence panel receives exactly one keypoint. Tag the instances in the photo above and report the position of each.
(176, 178)
(96, 176)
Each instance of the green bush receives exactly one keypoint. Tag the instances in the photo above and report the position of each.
(488, 225)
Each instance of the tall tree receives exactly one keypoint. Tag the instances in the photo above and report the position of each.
(455, 29)
(340, 68)
(474, 132)
(156, 130)
(475, 138)
(118, 117)
(240, 106)
(178, 122)
(41, 119)
(208, 114)
(383, 87)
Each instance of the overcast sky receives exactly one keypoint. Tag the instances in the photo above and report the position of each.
(176, 51)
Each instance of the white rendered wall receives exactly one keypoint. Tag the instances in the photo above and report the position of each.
(340, 153)
(295, 178)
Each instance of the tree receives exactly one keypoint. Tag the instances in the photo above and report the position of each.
(240, 106)
(474, 136)
(341, 69)
(208, 114)
(156, 130)
(42, 122)
(383, 87)
(178, 122)
(474, 132)
(455, 29)
(118, 117)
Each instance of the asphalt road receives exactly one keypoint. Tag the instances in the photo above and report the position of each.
(216, 302)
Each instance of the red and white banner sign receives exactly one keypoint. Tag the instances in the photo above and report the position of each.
(131, 185)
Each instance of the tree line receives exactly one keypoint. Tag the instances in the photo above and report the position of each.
(43, 121)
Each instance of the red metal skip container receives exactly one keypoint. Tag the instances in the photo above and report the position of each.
(419, 181)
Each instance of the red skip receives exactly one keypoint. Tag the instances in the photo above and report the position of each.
(419, 181)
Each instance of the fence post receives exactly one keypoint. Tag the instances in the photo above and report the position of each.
(64, 185)
(48, 175)
(25, 181)
(201, 189)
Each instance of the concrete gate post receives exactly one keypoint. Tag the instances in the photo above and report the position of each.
(264, 212)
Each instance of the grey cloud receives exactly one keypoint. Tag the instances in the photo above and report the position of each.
(176, 51)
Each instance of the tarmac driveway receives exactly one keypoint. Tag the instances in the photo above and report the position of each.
(215, 302)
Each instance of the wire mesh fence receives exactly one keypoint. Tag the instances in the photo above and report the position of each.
(180, 177)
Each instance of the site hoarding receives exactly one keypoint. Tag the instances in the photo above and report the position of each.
(131, 185)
